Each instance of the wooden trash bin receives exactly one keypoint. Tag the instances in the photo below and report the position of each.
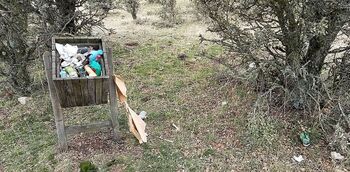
(81, 91)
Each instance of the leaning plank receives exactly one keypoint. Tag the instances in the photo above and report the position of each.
(77, 129)
(57, 110)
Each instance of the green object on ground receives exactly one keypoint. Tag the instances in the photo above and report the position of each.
(87, 166)
(305, 138)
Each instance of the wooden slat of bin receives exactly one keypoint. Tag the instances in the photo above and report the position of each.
(84, 91)
(105, 64)
(67, 93)
(107, 72)
(91, 91)
(70, 93)
(85, 44)
(53, 59)
(103, 68)
(58, 67)
(60, 87)
(69, 40)
(106, 67)
(54, 63)
(77, 92)
(105, 91)
(99, 90)
(77, 129)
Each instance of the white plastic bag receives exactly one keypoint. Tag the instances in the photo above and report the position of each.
(67, 51)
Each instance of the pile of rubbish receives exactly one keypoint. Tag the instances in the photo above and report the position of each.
(79, 62)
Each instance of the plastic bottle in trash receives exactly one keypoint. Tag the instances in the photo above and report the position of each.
(63, 74)
(82, 72)
(71, 71)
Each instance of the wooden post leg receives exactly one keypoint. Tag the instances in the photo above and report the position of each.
(114, 111)
(57, 110)
(113, 97)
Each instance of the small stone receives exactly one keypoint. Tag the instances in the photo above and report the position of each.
(337, 156)
(223, 103)
(298, 158)
(23, 100)
(252, 65)
(182, 56)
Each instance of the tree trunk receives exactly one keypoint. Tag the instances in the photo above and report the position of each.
(317, 53)
(320, 45)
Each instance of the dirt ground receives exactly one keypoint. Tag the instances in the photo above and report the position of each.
(195, 94)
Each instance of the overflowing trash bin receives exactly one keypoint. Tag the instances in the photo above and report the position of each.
(80, 70)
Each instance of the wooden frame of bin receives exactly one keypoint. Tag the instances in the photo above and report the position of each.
(87, 91)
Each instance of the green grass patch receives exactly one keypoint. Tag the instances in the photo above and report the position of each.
(27, 143)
